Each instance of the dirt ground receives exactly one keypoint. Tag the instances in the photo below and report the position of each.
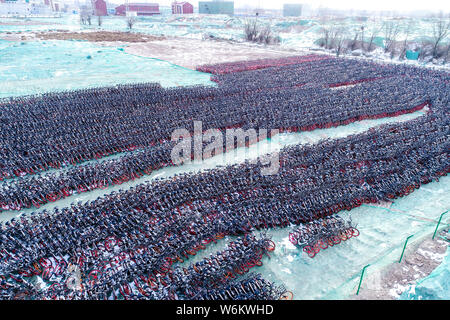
(417, 263)
(190, 53)
(96, 36)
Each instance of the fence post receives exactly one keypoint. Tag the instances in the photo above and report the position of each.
(439, 222)
(360, 280)
(404, 247)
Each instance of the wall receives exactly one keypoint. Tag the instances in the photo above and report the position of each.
(209, 7)
(182, 8)
(100, 8)
(292, 10)
(188, 8)
(14, 8)
(141, 10)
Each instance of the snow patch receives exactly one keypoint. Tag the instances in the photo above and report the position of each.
(432, 255)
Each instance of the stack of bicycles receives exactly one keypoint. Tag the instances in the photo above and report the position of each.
(322, 233)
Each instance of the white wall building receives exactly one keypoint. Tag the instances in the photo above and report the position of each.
(26, 8)
(41, 9)
(14, 8)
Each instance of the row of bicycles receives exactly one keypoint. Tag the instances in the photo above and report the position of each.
(46, 132)
(132, 243)
(218, 275)
(241, 66)
(322, 233)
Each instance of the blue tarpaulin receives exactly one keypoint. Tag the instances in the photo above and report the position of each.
(412, 55)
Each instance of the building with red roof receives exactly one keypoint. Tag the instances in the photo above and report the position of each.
(182, 8)
(141, 9)
(99, 7)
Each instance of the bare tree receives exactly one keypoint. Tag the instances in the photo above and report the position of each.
(335, 33)
(391, 30)
(340, 39)
(405, 41)
(327, 30)
(256, 32)
(362, 36)
(251, 30)
(354, 43)
(447, 53)
(265, 35)
(425, 50)
(85, 15)
(374, 31)
(441, 29)
(130, 22)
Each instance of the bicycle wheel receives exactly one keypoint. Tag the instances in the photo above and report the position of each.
(44, 262)
(349, 233)
(3, 279)
(330, 242)
(66, 191)
(238, 271)
(270, 246)
(288, 295)
(199, 247)
(292, 238)
(336, 240)
(309, 250)
(153, 284)
(317, 246)
(142, 291)
(103, 185)
(37, 270)
(18, 280)
(323, 244)
(47, 273)
(94, 274)
(191, 252)
(26, 273)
